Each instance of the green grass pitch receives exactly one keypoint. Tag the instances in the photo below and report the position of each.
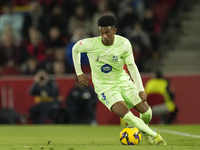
(85, 137)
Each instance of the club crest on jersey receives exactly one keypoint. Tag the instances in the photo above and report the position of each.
(115, 58)
(106, 68)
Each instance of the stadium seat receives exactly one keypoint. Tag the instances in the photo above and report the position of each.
(155, 99)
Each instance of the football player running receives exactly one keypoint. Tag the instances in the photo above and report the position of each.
(107, 55)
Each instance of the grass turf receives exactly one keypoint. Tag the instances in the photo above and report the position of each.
(84, 137)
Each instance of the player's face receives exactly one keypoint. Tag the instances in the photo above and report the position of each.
(107, 34)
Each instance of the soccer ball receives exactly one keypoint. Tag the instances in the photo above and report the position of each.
(130, 136)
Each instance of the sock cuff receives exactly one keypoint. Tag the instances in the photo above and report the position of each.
(148, 111)
(146, 117)
(128, 115)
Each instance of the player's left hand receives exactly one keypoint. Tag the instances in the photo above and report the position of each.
(143, 96)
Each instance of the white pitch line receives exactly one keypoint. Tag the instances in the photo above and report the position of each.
(178, 133)
(32, 146)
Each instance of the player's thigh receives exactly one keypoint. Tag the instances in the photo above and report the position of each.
(109, 98)
(120, 108)
(131, 97)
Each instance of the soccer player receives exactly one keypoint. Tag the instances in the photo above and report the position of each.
(107, 54)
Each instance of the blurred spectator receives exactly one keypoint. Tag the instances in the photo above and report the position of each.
(149, 25)
(30, 66)
(139, 7)
(46, 93)
(114, 6)
(138, 36)
(10, 47)
(59, 68)
(122, 5)
(10, 53)
(80, 19)
(78, 34)
(103, 9)
(128, 19)
(89, 5)
(36, 47)
(80, 104)
(17, 38)
(67, 9)
(53, 42)
(60, 57)
(10, 69)
(149, 21)
(56, 19)
(168, 109)
(140, 40)
(34, 18)
(48, 5)
(9, 17)
(59, 62)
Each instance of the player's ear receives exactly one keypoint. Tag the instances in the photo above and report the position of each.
(115, 30)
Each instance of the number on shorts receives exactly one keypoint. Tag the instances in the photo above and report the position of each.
(103, 96)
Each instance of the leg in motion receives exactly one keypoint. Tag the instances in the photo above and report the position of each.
(145, 111)
(123, 111)
(145, 114)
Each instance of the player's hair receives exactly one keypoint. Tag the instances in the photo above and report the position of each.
(107, 20)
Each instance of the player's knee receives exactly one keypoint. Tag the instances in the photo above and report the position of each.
(142, 107)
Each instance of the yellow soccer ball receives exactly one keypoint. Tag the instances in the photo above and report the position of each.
(130, 136)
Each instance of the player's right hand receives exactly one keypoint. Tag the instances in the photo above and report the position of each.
(142, 95)
(83, 80)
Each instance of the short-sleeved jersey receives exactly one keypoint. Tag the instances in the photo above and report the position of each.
(107, 62)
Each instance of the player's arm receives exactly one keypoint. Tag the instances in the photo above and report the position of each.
(132, 68)
(82, 78)
(137, 79)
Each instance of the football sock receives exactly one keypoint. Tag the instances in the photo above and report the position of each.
(146, 117)
(132, 120)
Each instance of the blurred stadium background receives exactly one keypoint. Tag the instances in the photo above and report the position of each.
(164, 34)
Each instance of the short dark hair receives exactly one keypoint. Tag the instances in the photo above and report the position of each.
(107, 20)
(39, 69)
(159, 74)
